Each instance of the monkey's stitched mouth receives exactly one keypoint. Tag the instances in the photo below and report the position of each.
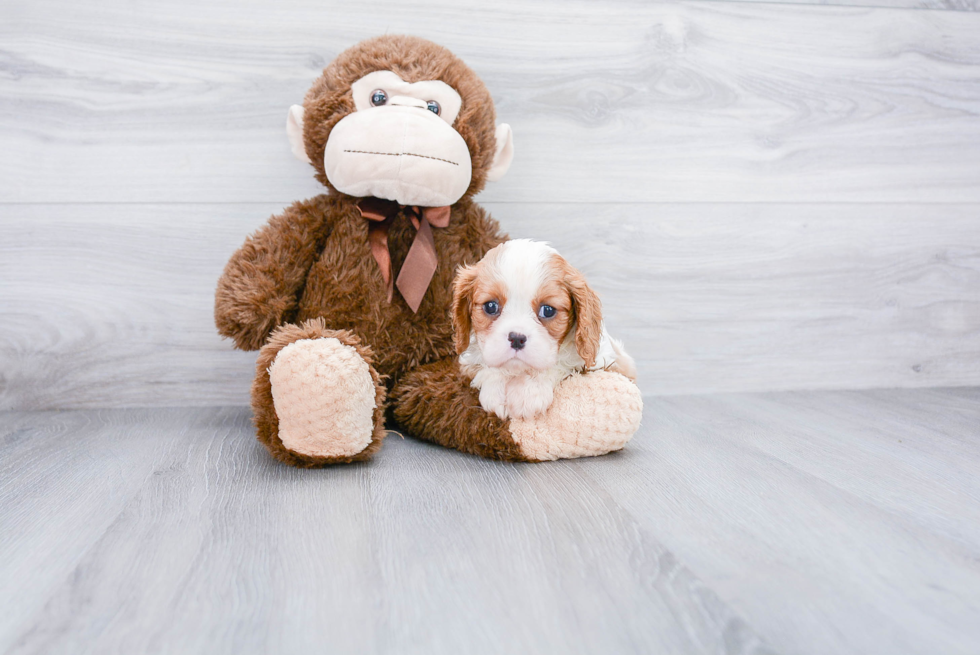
(400, 154)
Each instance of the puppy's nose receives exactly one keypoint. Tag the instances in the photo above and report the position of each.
(517, 341)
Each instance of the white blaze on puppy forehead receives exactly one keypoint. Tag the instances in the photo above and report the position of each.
(523, 266)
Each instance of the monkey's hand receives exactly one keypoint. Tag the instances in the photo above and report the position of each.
(592, 414)
(259, 288)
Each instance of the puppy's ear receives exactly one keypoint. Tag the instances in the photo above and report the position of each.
(463, 287)
(588, 316)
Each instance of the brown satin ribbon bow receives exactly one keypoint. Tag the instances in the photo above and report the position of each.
(420, 263)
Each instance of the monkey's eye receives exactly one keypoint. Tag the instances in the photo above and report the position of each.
(378, 97)
(433, 106)
(491, 308)
(546, 311)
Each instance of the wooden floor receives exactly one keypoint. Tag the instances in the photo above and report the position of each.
(793, 522)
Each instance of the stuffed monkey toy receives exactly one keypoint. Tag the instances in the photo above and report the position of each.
(347, 295)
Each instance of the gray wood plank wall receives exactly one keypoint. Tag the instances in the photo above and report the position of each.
(767, 196)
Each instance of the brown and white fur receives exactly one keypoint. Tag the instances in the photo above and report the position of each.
(516, 349)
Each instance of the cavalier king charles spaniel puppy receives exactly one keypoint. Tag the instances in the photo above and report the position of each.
(525, 320)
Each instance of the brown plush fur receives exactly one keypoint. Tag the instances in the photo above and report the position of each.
(265, 419)
(436, 403)
(314, 261)
(260, 287)
(276, 278)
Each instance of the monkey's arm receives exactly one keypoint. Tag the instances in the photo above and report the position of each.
(259, 288)
(592, 414)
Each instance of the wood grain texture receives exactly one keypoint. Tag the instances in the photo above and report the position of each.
(115, 303)
(111, 305)
(803, 522)
(222, 550)
(944, 5)
(835, 522)
(628, 101)
(64, 480)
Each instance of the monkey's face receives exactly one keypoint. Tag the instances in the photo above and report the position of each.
(400, 144)
(375, 126)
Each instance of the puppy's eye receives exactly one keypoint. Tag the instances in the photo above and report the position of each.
(433, 106)
(491, 308)
(378, 97)
(546, 311)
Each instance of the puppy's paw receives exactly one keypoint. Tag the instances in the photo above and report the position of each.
(528, 397)
(493, 398)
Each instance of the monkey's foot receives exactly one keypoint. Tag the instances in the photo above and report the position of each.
(326, 399)
(592, 414)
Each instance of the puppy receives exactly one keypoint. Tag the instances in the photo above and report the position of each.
(524, 320)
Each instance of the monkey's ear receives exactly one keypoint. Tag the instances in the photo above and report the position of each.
(503, 154)
(294, 128)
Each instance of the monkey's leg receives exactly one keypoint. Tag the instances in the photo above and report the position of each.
(592, 414)
(317, 399)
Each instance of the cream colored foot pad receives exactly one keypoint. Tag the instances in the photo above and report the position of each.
(591, 415)
(324, 397)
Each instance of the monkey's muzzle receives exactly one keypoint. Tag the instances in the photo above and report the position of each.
(405, 154)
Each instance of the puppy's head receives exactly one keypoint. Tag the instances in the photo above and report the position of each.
(521, 303)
